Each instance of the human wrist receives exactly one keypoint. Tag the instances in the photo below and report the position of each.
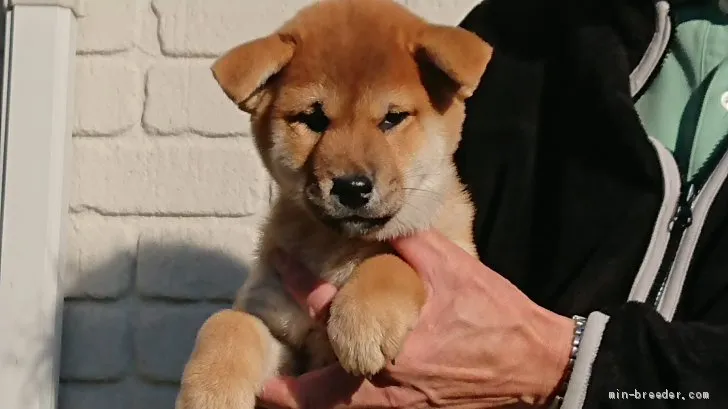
(553, 336)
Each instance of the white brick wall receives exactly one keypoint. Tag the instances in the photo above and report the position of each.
(167, 190)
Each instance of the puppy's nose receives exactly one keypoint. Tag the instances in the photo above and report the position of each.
(353, 191)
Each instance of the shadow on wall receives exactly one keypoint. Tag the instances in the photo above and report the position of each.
(130, 323)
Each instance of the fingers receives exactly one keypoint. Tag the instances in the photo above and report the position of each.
(334, 388)
(313, 294)
(280, 393)
(327, 388)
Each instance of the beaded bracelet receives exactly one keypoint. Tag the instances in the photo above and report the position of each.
(575, 343)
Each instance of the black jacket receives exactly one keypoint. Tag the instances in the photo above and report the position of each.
(581, 210)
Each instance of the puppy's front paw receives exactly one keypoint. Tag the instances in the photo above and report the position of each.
(365, 336)
(372, 314)
(203, 394)
(234, 353)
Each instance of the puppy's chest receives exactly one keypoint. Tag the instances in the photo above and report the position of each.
(329, 256)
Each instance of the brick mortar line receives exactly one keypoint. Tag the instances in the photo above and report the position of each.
(90, 210)
(130, 138)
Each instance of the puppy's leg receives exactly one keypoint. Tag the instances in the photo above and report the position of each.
(233, 355)
(372, 314)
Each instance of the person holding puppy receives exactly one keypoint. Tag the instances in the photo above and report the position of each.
(594, 150)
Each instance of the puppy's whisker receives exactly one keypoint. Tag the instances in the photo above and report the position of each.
(432, 198)
(415, 189)
(425, 174)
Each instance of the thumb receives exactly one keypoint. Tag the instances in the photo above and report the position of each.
(311, 293)
(432, 255)
(326, 388)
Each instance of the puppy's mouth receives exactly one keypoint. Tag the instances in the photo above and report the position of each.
(367, 222)
(355, 226)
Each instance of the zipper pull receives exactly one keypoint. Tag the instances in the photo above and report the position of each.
(684, 213)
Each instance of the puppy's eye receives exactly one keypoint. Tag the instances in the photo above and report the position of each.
(314, 118)
(392, 119)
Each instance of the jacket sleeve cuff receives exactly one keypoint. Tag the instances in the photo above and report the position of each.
(581, 373)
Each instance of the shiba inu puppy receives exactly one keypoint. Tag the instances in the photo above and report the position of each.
(356, 109)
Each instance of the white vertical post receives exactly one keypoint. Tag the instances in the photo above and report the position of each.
(36, 129)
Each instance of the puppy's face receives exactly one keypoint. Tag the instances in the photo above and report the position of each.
(357, 107)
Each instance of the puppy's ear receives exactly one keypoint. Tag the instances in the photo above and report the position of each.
(458, 53)
(243, 71)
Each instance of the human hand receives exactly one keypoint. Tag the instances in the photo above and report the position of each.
(479, 342)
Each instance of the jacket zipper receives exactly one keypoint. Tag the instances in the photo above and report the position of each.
(681, 220)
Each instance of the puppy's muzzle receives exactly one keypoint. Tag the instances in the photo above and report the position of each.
(351, 203)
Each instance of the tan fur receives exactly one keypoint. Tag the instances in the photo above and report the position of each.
(359, 60)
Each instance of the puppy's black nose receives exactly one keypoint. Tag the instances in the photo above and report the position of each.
(353, 191)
